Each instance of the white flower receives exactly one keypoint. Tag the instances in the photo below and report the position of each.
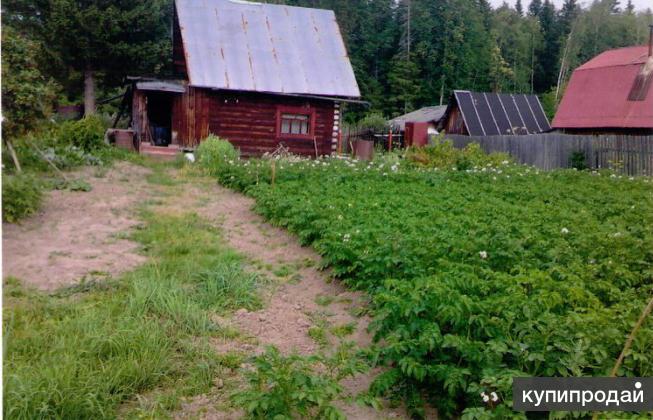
(564, 231)
(505, 162)
(346, 238)
(494, 397)
(483, 255)
(485, 397)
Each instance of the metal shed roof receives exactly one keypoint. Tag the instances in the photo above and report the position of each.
(239, 45)
(489, 114)
(426, 114)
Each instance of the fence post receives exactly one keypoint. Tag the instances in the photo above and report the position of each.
(390, 140)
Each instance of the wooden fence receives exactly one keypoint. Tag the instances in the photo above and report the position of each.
(632, 155)
(383, 139)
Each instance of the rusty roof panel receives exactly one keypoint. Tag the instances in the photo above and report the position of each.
(239, 45)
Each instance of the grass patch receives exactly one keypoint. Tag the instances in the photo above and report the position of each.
(82, 356)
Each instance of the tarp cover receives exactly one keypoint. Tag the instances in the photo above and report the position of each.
(239, 45)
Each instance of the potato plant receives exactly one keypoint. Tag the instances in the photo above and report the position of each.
(476, 276)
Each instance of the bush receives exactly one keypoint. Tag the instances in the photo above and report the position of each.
(443, 154)
(21, 197)
(373, 121)
(86, 134)
(214, 152)
(578, 160)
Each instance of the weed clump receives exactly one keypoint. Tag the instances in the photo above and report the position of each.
(21, 197)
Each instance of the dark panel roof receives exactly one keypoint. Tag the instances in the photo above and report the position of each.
(469, 112)
(487, 114)
(241, 45)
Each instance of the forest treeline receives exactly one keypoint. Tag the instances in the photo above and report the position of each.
(406, 53)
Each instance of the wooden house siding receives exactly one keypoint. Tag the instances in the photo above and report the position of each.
(249, 122)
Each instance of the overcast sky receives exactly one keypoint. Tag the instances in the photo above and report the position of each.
(639, 4)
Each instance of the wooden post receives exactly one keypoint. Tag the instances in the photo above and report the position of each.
(390, 141)
(339, 142)
(274, 172)
(14, 156)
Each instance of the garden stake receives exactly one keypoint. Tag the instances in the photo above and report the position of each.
(629, 342)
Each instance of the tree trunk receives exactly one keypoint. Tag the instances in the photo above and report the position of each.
(89, 92)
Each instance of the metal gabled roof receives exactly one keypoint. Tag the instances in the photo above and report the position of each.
(598, 94)
(490, 114)
(427, 114)
(239, 45)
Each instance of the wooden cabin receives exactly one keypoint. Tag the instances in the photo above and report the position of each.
(258, 75)
(493, 114)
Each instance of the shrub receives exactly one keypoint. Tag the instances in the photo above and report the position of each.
(21, 197)
(214, 152)
(578, 160)
(86, 134)
(443, 154)
(373, 121)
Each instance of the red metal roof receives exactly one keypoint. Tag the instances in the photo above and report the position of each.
(597, 94)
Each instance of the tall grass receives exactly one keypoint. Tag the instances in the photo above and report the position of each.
(82, 355)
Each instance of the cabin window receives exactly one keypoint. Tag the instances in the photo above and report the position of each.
(295, 122)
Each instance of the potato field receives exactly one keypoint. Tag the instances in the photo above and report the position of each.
(476, 274)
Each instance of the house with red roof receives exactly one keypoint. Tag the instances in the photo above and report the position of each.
(610, 94)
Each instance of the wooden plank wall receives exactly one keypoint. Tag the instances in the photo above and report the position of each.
(632, 155)
(249, 121)
(190, 117)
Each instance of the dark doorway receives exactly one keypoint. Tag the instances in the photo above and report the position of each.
(159, 113)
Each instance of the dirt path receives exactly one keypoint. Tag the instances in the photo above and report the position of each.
(81, 235)
(78, 235)
(306, 298)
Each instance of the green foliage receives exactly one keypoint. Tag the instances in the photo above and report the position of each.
(27, 95)
(287, 387)
(443, 154)
(578, 160)
(84, 355)
(214, 152)
(21, 196)
(476, 276)
(373, 121)
(86, 134)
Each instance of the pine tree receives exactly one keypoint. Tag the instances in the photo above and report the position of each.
(535, 8)
(519, 8)
(101, 36)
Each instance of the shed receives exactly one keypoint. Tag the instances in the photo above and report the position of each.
(491, 114)
(610, 94)
(258, 75)
(429, 114)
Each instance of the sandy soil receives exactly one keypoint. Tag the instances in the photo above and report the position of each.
(78, 235)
